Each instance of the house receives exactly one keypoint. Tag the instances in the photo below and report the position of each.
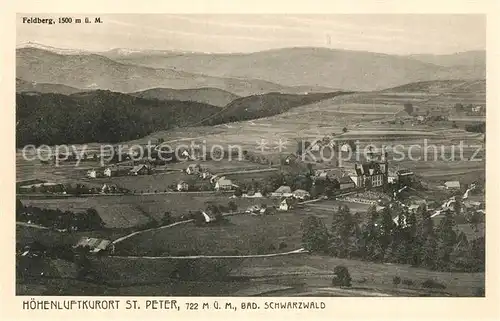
(253, 209)
(107, 172)
(94, 245)
(290, 159)
(283, 191)
(452, 185)
(208, 216)
(205, 175)
(193, 169)
(252, 194)
(286, 204)
(477, 109)
(141, 169)
(346, 182)
(301, 194)
(265, 210)
(182, 186)
(185, 154)
(405, 176)
(223, 184)
(92, 173)
(109, 188)
(345, 148)
(371, 174)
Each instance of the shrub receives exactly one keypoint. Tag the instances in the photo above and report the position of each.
(341, 277)
(272, 247)
(283, 245)
(433, 284)
(407, 282)
(396, 280)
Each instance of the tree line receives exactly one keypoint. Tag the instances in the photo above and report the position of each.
(413, 240)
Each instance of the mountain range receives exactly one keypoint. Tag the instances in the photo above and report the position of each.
(287, 70)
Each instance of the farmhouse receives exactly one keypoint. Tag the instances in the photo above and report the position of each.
(290, 159)
(371, 174)
(109, 188)
(477, 109)
(92, 173)
(107, 172)
(252, 194)
(346, 182)
(253, 209)
(345, 148)
(141, 169)
(193, 169)
(301, 194)
(452, 185)
(208, 216)
(186, 155)
(94, 245)
(286, 204)
(283, 191)
(182, 186)
(205, 174)
(223, 184)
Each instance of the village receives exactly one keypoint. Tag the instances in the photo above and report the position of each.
(296, 183)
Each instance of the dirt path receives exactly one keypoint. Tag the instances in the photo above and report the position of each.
(297, 251)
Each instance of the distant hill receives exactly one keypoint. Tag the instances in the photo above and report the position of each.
(25, 86)
(211, 96)
(442, 86)
(105, 116)
(313, 67)
(468, 58)
(99, 116)
(258, 106)
(92, 71)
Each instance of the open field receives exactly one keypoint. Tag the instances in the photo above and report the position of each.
(366, 274)
(133, 210)
(47, 237)
(245, 234)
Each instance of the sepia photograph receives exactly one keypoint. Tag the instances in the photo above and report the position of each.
(250, 155)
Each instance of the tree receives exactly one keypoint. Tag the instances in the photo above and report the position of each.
(342, 276)
(232, 206)
(344, 130)
(457, 205)
(447, 239)
(429, 252)
(167, 218)
(314, 234)
(344, 233)
(237, 192)
(408, 107)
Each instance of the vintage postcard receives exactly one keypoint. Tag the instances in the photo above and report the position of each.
(247, 163)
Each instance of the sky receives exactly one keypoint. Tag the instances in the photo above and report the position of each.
(392, 34)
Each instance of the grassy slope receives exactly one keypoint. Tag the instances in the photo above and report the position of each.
(211, 96)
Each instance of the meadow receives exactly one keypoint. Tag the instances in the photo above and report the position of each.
(136, 210)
